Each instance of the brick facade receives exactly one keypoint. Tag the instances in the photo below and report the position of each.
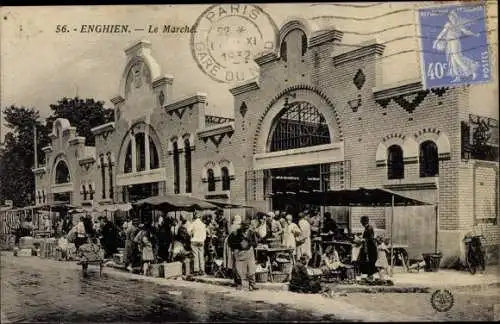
(364, 119)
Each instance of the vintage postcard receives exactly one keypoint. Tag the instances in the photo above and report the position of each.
(250, 162)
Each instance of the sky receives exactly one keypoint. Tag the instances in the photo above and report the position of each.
(39, 66)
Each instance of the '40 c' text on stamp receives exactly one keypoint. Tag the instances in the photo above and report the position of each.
(227, 39)
(454, 46)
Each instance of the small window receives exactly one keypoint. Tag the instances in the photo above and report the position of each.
(84, 192)
(211, 180)
(226, 180)
(429, 160)
(283, 51)
(395, 164)
(304, 44)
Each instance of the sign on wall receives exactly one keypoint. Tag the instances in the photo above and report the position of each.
(480, 138)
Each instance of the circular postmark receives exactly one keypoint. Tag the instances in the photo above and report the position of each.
(227, 39)
(442, 300)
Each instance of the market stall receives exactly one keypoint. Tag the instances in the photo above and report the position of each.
(363, 197)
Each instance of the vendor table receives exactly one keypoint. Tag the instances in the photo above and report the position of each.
(272, 253)
(41, 234)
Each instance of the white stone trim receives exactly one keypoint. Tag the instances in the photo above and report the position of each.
(210, 165)
(327, 153)
(62, 187)
(155, 175)
(408, 145)
(229, 165)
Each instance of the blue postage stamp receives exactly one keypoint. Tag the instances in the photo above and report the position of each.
(454, 46)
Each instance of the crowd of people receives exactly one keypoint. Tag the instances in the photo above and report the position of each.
(203, 237)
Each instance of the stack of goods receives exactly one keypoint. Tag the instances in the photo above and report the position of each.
(91, 253)
(26, 246)
(284, 265)
(172, 269)
(48, 248)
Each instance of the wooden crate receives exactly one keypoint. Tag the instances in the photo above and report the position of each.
(25, 252)
(172, 269)
(157, 270)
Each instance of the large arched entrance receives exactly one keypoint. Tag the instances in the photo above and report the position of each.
(299, 142)
(140, 168)
(300, 125)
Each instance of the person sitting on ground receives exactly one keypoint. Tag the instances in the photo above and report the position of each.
(301, 281)
(331, 260)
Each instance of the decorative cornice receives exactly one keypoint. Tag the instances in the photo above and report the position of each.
(216, 130)
(109, 127)
(52, 136)
(137, 46)
(40, 170)
(117, 100)
(266, 58)
(77, 140)
(372, 49)
(163, 80)
(191, 100)
(247, 87)
(322, 37)
(401, 88)
(86, 160)
(47, 149)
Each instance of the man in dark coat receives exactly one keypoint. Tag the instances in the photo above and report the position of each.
(242, 243)
(368, 253)
(109, 239)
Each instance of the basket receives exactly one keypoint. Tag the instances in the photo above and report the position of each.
(432, 261)
(279, 276)
(262, 276)
(285, 267)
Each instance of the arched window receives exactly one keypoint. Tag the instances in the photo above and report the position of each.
(211, 180)
(187, 158)
(154, 160)
(299, 125)
(395, 164)
(226, 180)
(429, 162)
(127, 168)
(62, 173)
(140, 144)
(176, 168)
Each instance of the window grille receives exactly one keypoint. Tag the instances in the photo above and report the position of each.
(300, 125)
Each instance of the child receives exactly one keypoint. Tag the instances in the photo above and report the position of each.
(331, 259)
(147, 253)
(381, 263)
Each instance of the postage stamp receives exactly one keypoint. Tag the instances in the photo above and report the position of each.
(228, 37)
(454, 46)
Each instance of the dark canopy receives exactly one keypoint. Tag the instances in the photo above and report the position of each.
(361, 197)
(225, 204)
(175, 203)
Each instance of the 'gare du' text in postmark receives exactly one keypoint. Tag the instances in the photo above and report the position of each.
(227, 39)
(454, 46)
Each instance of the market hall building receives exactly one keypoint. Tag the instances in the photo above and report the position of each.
(315, 119)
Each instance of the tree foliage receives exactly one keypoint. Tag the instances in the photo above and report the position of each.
(17, 181)
(17, 156)
(82, 114)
